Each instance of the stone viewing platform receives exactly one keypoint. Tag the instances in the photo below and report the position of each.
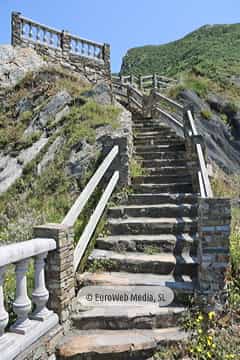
(90, 58)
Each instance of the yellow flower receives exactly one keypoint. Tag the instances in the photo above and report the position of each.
(199, 349)
(211, 315)
(200, 331)
(209, 355)
(199, 319)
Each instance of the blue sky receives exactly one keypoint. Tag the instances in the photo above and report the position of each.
(122, 23)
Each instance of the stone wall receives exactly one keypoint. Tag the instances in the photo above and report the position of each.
(86, 57)
(214, 252)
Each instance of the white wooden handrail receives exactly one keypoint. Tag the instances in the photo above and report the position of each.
(170, 101)
(205, 186)
(93, 221)
(81, 201)
(170, 117)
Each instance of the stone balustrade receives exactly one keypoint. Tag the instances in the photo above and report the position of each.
(90, 58)
(33, 318)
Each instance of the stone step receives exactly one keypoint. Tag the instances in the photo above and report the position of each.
(163, 163)
(134, 262)
(163, 136)
(151, 226)
(150, 148)
(162, 188)
(166, 243)
(159, 141)
(180, 285)
(152, 199)
(153, 132)
(160, 155)
(116, 344)
(128, 317)
(169, 170)
(162, 179)
(162, 210)
(150, 125)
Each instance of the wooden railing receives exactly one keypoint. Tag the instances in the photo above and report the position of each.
(204, 183)
(29, 326)
(159, 105)
(146, 82)
(80, 203)
(28, 30)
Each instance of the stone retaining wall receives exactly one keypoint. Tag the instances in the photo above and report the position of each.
(214, 252)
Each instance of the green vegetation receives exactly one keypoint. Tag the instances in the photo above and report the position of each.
(211, 51)
(136, 168)
(206, 114)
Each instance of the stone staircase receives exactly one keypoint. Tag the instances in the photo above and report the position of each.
(152, 240)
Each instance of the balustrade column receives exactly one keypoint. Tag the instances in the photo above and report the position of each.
(40, 294)
(16, 28)
(3, 313)
(22, 304)
(107, 59)
(65, 43)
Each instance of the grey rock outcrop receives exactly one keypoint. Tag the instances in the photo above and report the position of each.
(11, 168)
(55, 110)
(101, 94)
(222, 148)
(15, 63)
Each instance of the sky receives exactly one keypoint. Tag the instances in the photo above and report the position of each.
(122, 23)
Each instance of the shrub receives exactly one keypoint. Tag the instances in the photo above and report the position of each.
(206, 114)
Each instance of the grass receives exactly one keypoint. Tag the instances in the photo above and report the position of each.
(136, 168)
(206, 114)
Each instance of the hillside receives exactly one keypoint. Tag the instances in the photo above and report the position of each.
(211, 51)
(53, 127)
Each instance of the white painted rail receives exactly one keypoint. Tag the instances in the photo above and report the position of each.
(204, 183)
(29, 326)
(93, 221)
(81, 201)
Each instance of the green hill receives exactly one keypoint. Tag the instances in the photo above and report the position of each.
(212, 51)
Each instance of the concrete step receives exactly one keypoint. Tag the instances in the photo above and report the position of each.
(151, 226)
(158, 141)
(157, 136)
(116, 344)
(162, 210)
(169, 170)
(161, 198)
(162, 188)
(180, 285)
(163, 163)
(153, 132)
(134, 262)
(150, 148)
(162, 179)
(166, 243)
(128, 317)
(160, 155)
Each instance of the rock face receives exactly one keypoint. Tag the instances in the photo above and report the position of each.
(55, 109)
(223, 148)
(15, 63)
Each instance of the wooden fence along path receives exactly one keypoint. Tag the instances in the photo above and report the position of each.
(146, 82)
